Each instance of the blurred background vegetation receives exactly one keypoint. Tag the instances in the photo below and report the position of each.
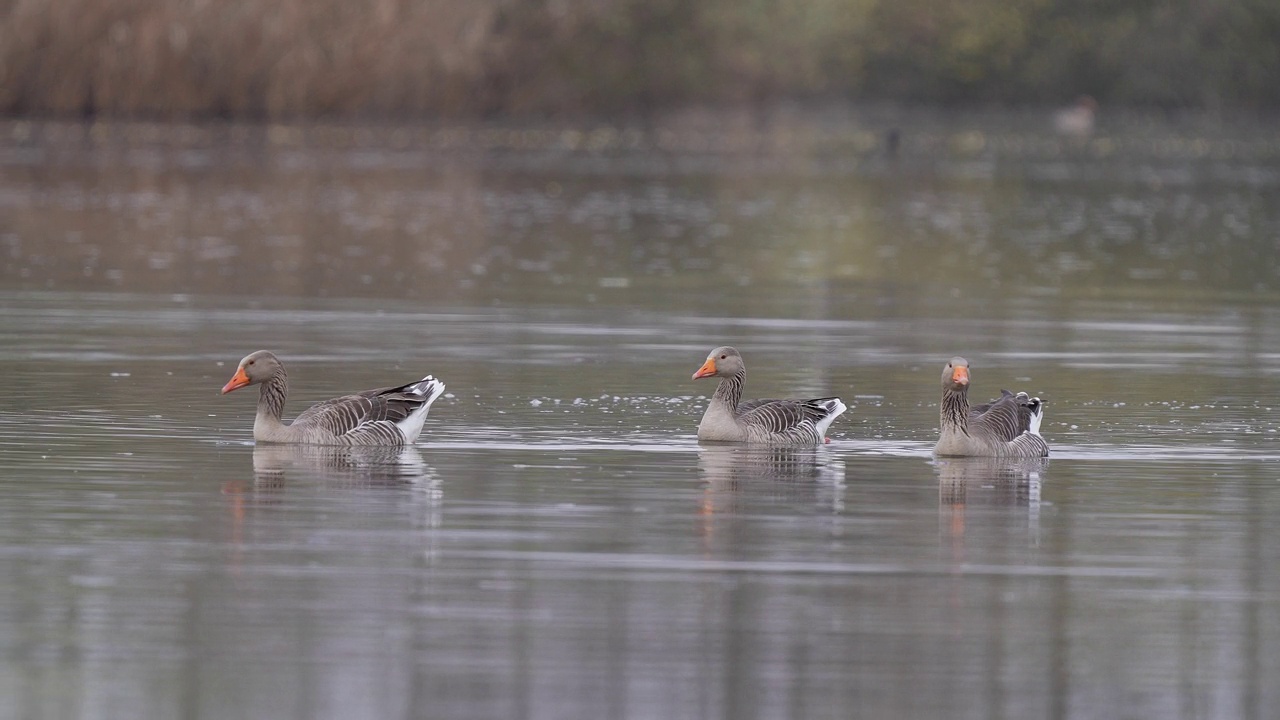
(291, 59)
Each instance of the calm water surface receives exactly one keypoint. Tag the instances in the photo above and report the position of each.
(558, 544)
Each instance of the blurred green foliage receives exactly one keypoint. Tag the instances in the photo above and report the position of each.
(292, 58)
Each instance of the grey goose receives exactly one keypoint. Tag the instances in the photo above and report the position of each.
(385, 416)
(1006, 427)
(762, 422)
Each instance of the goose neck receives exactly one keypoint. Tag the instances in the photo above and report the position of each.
(272, 396)
(730, 390)
(955, 410)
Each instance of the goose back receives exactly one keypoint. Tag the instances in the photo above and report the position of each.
(999, 419)
(385, 416)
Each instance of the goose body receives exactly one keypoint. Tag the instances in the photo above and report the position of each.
(762, 422)
(385, 416)
(1006, 427)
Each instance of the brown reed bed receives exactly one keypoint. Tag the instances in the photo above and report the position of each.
(242, 58)
(302, 59)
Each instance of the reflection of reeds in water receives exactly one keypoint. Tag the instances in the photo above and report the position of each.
(777, 473)
(342, 466)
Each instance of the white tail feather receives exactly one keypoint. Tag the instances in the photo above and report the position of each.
(430, 389)
(834, 408)
(1037, 414)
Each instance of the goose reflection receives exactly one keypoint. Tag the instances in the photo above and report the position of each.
(341, 466)
(274, 466)
(786, 474)
(966, 484)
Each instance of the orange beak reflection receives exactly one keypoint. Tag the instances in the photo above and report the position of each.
(707, 370)
(960, 376)
(236, 382)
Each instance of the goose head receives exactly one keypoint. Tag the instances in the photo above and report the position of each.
(721, 362)
(955, 376)
(254, 368)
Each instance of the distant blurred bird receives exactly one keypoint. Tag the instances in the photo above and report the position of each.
(1077, 120)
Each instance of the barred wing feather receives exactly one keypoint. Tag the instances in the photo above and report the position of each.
(998, 419)
(353, 414)
(794, 418)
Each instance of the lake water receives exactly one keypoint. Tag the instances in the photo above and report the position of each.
(558, 545)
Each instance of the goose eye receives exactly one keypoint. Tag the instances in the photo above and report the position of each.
(724, 357)
(251, 362)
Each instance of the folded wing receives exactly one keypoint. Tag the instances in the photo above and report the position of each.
(372, 412)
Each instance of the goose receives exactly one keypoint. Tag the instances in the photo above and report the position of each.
(1006, 427)
(386, 416)
(763, 422)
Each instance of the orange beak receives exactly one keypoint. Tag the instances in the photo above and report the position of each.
(960, 376)
(236, 382)
(707, 370)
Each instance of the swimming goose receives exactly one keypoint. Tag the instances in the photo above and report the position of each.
(386, 416)
(1007, 427)
(768, 422)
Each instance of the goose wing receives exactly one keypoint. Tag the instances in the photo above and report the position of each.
(354, 413)
(782, 416)
(1000, 419)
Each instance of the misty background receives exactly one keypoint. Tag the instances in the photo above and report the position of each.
(291, 59)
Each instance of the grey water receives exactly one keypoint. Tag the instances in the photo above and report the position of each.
(558, 544)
